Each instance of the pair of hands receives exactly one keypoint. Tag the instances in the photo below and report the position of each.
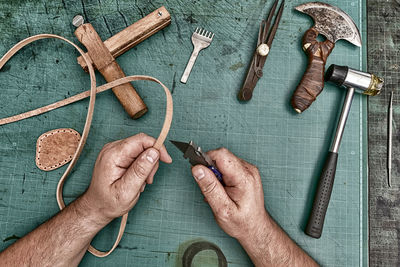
(123, 168)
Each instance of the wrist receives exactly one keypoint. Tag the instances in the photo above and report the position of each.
(85, 209)
(257, 241)
(270, 246)
(257, 234)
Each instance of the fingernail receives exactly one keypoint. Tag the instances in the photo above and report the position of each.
(152, 155)
(198, 173)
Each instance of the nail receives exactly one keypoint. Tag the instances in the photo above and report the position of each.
(199, 173)
(152, 155)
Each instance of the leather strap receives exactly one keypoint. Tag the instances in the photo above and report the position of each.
(92, 94)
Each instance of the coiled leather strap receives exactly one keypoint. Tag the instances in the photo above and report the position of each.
(92, 94)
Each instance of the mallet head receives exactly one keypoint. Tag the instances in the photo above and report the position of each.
(364, 82)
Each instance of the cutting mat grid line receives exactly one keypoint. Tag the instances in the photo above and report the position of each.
(288, 149)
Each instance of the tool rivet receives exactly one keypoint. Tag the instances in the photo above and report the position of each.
(263, 50)
(159, 13)
(78, 20)
(259, 73)
(306, 46)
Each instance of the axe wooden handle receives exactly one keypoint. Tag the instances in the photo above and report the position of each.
(135, 33)
(106, 65)
(312, 83)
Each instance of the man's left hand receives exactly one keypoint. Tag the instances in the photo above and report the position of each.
(122, 170)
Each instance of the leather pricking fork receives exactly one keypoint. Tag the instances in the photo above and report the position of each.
(201, 39)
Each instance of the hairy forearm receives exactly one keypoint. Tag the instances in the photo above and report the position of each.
(61, 241)
(269, 245)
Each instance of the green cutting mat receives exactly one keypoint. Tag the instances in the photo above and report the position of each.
(288, 149)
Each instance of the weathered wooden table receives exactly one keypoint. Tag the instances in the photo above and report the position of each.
(384, 202)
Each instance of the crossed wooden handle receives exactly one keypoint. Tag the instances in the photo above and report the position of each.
(103, 54)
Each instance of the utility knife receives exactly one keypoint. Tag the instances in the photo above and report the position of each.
(196, 156)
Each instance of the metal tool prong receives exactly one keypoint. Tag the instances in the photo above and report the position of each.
(274, 28)
(201, 39)
(389, 150)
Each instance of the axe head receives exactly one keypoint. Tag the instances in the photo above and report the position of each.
(332, 22)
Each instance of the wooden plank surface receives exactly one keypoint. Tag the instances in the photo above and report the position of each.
(384, 202)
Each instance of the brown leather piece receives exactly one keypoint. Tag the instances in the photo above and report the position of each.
(312, 83)
(56, 148)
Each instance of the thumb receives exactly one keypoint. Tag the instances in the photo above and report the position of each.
(211, 188)
(141, 168)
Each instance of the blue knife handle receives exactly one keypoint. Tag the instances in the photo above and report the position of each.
(217, 174)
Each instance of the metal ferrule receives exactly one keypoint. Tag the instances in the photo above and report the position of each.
(363, 82)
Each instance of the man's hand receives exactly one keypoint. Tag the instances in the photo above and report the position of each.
(241, 199)
(122, 170)
(239, 210)
(120, 174)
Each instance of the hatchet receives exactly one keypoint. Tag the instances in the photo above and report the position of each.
(334, 24)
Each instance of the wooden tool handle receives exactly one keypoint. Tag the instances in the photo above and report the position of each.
(126, 93)
(105, 63)
(312, 83)
(135, 33)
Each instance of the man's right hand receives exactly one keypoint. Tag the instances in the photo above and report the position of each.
(239, 210)
(239, 207)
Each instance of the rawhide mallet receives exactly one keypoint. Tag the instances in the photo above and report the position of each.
(103, 54)
(353, 81)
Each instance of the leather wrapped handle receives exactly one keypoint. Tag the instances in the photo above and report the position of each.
(312, 83)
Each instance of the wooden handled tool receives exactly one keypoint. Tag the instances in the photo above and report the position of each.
(102, 54)
(334, 24)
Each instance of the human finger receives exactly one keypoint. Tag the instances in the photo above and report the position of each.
(233, 168)
(212, 189)
(150, 179)
(141, 168)
(142, 188)
(128, 149)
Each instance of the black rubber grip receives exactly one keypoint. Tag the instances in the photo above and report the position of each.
(322, 196)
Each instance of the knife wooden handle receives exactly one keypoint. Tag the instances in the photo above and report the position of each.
(312, 83)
